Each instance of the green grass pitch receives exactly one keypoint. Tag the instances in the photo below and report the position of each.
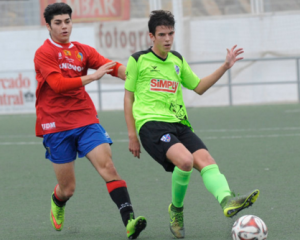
(255, 147)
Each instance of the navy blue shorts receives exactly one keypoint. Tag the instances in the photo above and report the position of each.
(62, 147)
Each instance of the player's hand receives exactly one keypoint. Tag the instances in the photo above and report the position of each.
(106, 68)
(232, 56)
(135, 147)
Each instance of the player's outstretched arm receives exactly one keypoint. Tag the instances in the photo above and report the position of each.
(231, 57)
(61, 84)
(134, 144)
(99, 73)
(121, 72)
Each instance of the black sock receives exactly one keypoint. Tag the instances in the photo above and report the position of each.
(119, 194)
(58, 202)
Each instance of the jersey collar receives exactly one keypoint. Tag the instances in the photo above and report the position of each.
(60, 45)
(163, 59)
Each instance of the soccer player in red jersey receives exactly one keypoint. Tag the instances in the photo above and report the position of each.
(67, 119)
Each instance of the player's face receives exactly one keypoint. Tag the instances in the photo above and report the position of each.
(163, 39)
(60, 28)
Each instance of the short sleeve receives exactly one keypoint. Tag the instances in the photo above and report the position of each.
(189, 79)
(131, 74)
(45, 63)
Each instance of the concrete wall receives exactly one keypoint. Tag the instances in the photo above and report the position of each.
(268, 36)
(204, 39)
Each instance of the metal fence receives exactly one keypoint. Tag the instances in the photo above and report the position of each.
(230, 84)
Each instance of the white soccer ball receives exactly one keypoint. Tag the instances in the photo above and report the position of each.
(249, 227)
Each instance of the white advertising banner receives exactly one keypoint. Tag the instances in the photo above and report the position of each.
(119, 40)
(17, 92)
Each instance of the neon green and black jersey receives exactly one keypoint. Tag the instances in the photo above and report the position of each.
(156, 84)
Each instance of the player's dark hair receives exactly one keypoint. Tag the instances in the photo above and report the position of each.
(56, 9)
(160, 18)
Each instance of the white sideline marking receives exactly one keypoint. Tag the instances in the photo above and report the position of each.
(234, 130)
(17, 136)
(251, 129)
(21, 143)
(207, 138)
(256, 136)
(292, 111)
(198, 131)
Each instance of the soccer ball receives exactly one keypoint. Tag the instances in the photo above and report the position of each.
(249, 227)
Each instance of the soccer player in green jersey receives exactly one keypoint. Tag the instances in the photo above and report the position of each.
(154, 106)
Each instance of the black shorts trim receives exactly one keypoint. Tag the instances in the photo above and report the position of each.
(158, 137)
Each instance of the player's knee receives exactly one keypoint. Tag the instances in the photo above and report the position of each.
(186, 163)
(109, 167)
(68, 191)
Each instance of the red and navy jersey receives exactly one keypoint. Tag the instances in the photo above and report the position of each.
(58, 112)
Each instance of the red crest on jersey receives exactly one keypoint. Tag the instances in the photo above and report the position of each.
(67, 52)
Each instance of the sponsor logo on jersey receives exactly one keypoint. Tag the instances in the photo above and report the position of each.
(48, 126)
(67, 52)
(154, 69)
(176, 69)
(179, 110)
(70, 60)
(160, 85)
(59, 55)
(79, 56)
(166, 138)
(70, 66)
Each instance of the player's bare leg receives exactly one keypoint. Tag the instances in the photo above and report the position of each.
(202, 158)
(101, 159)
(180, 157)
(65, 175)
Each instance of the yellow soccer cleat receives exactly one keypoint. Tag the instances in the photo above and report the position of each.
(231, 205)
(135, 226)
(57, 215)
(176, 222)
